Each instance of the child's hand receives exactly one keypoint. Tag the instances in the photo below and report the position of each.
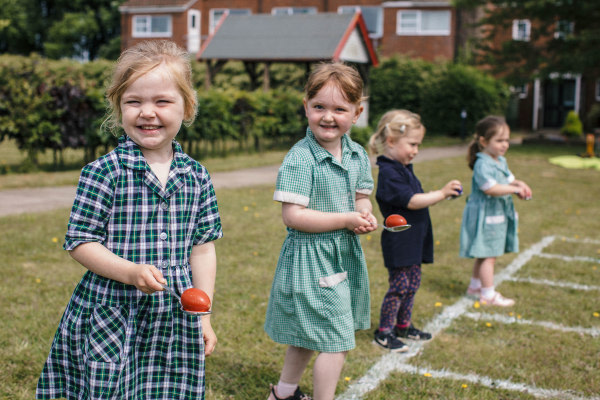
(523, 190)
(360, 222)
(147, 278)
(452, 189)
(209, 336)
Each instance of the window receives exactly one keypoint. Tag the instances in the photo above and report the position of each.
(216, 14)
(521, 30)
(564, 29)
(372, 15)
(293, 10)
(597, 89)
(520, 90)
(423, 23)
(152, 26)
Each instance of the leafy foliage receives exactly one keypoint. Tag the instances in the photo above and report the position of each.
(573, 126)
(565, 37)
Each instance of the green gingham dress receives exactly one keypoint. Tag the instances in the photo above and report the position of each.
(113, 341)
(320, 292)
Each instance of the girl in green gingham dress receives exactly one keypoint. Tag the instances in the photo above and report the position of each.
(320, 293)
(144, 215)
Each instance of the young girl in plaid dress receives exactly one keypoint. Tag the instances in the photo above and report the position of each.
(320, 293)
(144, 215)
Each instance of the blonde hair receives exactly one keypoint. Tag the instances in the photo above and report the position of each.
(394, 124)
(486, 128)
(141, 59)
(346, 78)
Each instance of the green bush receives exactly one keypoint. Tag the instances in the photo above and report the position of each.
(573, 126)
(455, 88)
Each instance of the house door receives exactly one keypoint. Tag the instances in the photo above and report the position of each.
(193, 34)
(559, 99)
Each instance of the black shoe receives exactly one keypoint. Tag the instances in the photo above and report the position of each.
(412, 333)
(389, 341)
(298, 395)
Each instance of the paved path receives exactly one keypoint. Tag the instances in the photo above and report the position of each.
(18, 201)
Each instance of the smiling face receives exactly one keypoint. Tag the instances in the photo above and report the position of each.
(498, 144)
(153, 110)
(404, 148)
(330, 115)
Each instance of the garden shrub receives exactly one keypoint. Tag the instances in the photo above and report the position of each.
(573, 126)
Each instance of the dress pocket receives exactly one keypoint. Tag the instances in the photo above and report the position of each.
(107, 333)
(335, 295)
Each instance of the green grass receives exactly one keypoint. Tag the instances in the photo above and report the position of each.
(38, 278)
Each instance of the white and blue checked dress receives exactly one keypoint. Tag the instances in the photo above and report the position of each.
(320, 292)
(113, 341)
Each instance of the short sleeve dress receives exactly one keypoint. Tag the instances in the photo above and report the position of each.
(113, 341)
(320, 292)
(489, 224)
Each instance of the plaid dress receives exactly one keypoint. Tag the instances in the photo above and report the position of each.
(320, 292)
(113, 341)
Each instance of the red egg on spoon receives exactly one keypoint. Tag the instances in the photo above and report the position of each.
(396, 223)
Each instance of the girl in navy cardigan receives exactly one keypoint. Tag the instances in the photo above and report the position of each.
(397, 139)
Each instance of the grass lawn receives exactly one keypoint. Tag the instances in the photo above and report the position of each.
(38, 278)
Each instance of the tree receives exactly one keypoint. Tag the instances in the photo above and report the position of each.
(564, 37)
(84, 29)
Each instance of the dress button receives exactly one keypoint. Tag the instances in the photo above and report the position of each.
(164, 264)
(163, 236)
(164, 205)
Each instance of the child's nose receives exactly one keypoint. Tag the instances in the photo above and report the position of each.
(147, 111)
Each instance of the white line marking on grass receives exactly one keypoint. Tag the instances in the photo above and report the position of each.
(577, 240)
(570, 258)
(594, 332)
(393, 361)
(546, 282)
(493, 383)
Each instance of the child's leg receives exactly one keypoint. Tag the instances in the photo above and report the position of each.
(489, 296)
(485, 268)
(393, 299)
(326, 373)
(296, 360)
(412, 281)
(474, 288)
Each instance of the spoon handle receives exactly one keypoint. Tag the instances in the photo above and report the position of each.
(168, 289)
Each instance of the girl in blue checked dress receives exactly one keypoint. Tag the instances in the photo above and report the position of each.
(397, 139)
(320, 293)
(144, 215)
(489, 224)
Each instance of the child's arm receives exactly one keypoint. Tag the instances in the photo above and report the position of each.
(515, 187)
(365, 208)
(98, 259)
(203, 263)
(423, 200)
(305, 219)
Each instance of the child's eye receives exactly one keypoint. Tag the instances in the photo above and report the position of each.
(318, 106)
(131, 102)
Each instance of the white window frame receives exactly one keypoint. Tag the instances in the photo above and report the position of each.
(418, 30)
(293, 10)
(147, 33)
(352, 9)
(517, 33)
(214, 21)
(597, 89)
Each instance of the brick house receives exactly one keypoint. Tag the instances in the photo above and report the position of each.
(425, 29)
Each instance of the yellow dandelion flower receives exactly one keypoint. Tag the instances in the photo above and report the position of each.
(427, 374)
(488, 324)
(347, 379)
(596, 314)
(464, 386)
(38, 280)
(510, 314)
(256, 215)
(245, 208)
(255, 253)
(476, 305)
(518, 316)
(564, 239)
(437, 242)
(368, 238)
(438, 304)
(594, 267)
(253, 204)
(54, 240)
(576, 236)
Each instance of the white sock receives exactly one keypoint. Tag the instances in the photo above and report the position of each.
(284, 389)
(475, 283)
(487, 292)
